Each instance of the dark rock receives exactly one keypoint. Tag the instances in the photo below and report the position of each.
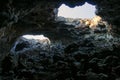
(111, 61)
(21, 46)
(92, 76)
(71, 48)
(117, 70)
(78, 56)
(7, 61)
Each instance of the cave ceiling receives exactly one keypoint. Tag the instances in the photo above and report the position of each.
(105, 8)
(27, 15)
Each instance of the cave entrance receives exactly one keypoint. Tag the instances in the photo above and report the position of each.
(31, 42)
(85, 11)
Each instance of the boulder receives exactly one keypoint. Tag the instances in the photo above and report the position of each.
(30, 42)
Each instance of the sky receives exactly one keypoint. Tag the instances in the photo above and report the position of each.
(85, 11)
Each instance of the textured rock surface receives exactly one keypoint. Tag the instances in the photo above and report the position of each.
(75, 54)
(30, 42)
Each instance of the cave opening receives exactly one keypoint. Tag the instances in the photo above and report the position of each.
(85, 11)
(29, 42)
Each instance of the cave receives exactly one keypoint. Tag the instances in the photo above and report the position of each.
(61, 48)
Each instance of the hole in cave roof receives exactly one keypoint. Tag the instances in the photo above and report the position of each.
(85, 11)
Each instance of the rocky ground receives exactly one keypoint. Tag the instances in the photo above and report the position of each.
(74, 54)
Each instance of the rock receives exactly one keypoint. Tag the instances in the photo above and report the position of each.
(92, 76)
(77, 65)
(5, 68)
(117, 70)
(30, 42)
(103, 76)
(71, 48)
(22, 45)
(61, 19)
(19, 17)
(111, 61)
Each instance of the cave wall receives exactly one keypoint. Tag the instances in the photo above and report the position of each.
(19, 17)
